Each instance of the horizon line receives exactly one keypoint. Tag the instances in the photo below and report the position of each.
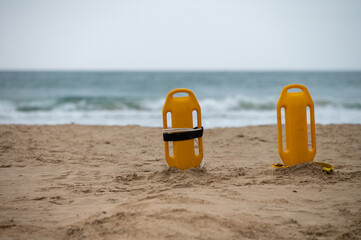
(174, 70)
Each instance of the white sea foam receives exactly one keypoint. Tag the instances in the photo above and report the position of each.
(214, 114)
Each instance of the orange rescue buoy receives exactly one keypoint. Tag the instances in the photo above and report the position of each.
(295, 104)
(182, 133)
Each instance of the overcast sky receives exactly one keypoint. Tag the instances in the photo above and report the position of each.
(180, 34)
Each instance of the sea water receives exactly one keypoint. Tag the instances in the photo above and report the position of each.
(227, 99)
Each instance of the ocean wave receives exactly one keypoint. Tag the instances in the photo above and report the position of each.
(115, 103)
(74, 103)
(98, 103)
(210, 119)
(237, 103)
(352, 105)
(230, 111)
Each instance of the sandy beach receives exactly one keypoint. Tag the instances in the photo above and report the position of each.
(112, 182)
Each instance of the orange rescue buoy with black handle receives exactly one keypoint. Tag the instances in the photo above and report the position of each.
(182, 133)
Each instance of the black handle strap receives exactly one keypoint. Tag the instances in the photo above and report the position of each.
(181, 136)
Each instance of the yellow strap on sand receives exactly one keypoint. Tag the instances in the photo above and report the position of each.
(328, 168)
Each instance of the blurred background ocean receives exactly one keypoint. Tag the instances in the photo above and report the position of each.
(227, 99)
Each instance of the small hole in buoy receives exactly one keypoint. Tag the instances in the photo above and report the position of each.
(170, 148)
(194, 117)
(309, 139)
(196, 147)
(283, 126)
(292, 90)
(180, 94)
(169, 120)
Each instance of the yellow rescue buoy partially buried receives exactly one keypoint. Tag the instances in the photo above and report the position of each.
(296, 149)
(295, 104)
(182, 132)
